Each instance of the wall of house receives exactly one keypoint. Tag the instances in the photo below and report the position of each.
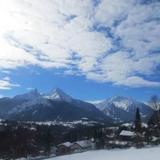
(76, 147)
(61, 150)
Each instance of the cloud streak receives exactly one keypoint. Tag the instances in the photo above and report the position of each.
(110, 41)
(5, 84)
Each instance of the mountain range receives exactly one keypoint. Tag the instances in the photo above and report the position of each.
(57, 105)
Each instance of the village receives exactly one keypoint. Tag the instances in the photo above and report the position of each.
(123, 136)
(51, 139)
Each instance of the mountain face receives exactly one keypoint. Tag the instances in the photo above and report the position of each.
(123, 109)
(7, 104)
(33, 94)
(59, 95)
(33, 106)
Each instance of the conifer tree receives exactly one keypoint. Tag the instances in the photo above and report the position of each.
(138, 123)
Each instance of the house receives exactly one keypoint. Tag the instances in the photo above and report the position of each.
(127, 135)
(81, 146)
(64, 148)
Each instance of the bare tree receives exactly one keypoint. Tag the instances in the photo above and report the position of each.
(155, 102)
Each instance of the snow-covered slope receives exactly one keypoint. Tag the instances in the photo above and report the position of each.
(127, 154)
(123, 108)
(59, 95)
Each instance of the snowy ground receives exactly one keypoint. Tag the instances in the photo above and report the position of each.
(128, 154)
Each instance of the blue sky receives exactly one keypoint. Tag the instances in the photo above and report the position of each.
(77, 86)
(93, 50)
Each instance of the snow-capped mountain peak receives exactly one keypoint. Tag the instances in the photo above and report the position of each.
(123, 108)
(121, 102)
(59, 95)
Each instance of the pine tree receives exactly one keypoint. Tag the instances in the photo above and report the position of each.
(48, 142)
(138, 123)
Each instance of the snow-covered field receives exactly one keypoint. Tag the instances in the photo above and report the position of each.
(128, 154)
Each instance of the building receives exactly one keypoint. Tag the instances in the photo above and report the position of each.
(64, 148)
(80, 146)
(127, 135)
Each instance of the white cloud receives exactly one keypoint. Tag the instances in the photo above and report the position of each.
(5, 84)
(141, 30)
(138, 82)
(6, 72)
(60, 34)
(6, 78)
(110, 11)
(30, 88)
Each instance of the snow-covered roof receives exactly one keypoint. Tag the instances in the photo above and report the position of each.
(127, 133)
(67, 144)
(84, 118)
(127, 124)
(84, 143)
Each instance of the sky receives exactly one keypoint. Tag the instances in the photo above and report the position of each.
(91, 49)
